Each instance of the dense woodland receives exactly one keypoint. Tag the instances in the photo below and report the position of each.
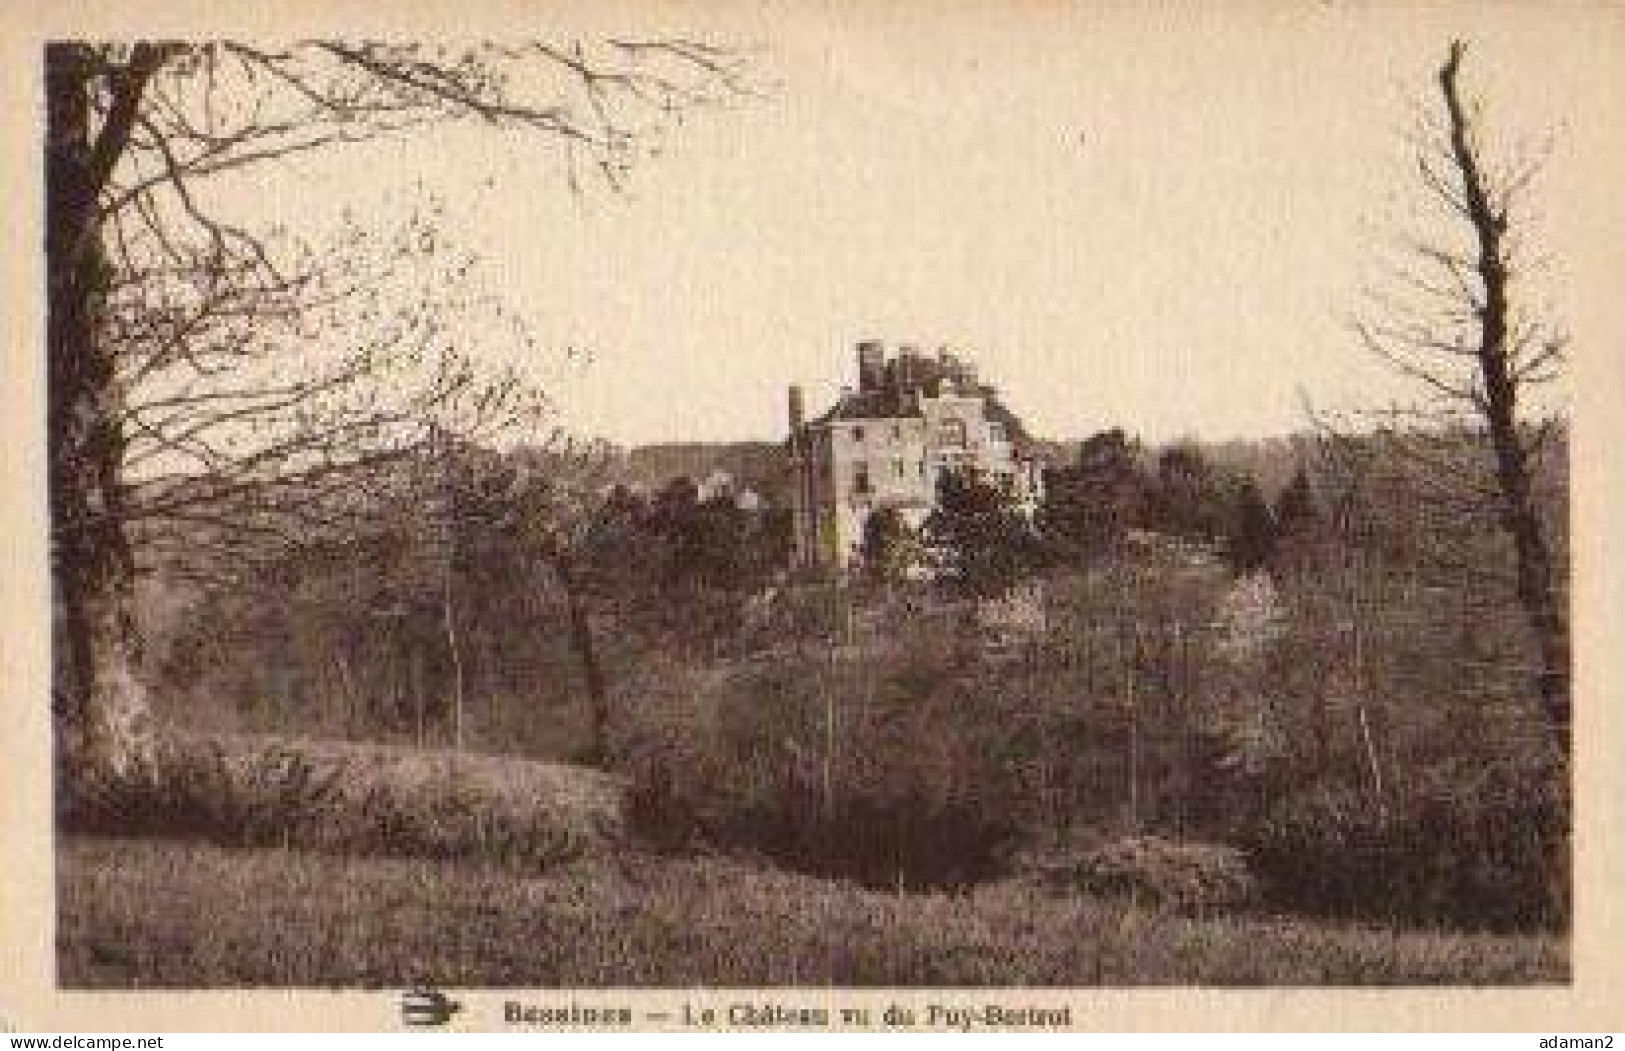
(1336, 673)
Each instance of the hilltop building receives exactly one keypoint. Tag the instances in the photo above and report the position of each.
(885, 444)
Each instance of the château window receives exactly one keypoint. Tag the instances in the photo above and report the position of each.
(951, 433)
(995, 432)
(897, 468)
(857, 434)
(860, 481)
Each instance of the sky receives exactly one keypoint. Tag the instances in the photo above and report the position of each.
(1128, 215)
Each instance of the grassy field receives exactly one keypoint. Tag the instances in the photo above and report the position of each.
(167, 914)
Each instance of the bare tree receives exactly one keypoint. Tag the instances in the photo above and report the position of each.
(150, 288)
(543, 501)
(1452, 321)
(557, 495)
(260, 417)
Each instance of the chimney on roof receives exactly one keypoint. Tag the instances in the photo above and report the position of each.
(871, 365)
(798, 409)
(905, 370)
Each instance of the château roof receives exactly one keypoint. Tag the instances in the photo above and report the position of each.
(885, 404)
(891, 387)
(889, 403)
(999, 413)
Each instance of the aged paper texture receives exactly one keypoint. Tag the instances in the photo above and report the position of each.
(670, 516)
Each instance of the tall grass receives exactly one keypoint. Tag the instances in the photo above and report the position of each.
(162, 914)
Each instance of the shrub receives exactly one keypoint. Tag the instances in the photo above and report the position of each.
(456, 819)
(197, 791)
(873, 767)
(276, 795)
(914, 753)
(1485, 848)
(1182, 877)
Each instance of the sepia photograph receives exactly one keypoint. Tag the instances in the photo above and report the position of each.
(981, 497)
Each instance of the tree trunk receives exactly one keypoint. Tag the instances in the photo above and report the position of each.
(103, 722)
(454, 648)
(1519, 516)
(592, 671)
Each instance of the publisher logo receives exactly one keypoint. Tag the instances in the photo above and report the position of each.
(427, 1007)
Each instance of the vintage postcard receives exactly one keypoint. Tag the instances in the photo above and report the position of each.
(812, 517)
